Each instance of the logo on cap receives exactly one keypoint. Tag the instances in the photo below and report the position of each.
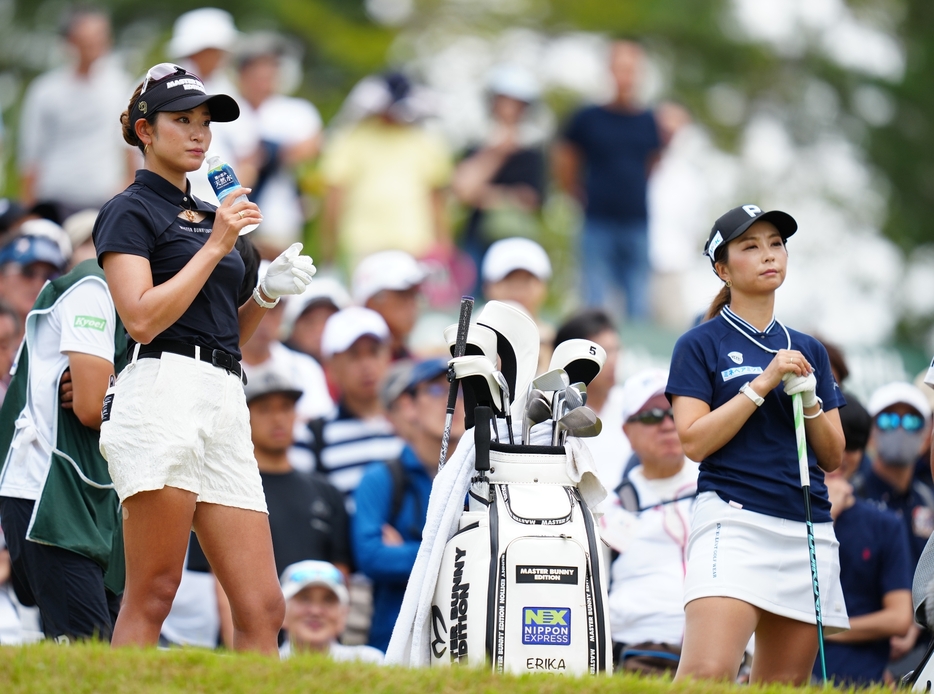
(714, 244)
(143, 107)
(752, 210)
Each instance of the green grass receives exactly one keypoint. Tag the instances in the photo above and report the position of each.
(95, 668)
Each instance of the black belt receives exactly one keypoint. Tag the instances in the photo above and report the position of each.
(216, 357)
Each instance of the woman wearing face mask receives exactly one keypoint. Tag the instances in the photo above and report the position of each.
(730, 384)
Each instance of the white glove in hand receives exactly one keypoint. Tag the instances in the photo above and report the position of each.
(290, 273)
(806, 385)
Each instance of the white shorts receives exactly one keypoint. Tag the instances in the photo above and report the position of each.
(179, 422)
(763, 560)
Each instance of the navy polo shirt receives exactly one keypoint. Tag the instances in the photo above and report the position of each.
(143, 220)
(758, 467)
(914, 508)
(874, 560)
(617, 147)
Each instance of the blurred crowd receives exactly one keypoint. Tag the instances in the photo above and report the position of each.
(347, 395)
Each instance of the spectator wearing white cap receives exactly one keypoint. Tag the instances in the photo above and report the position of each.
(901, 421)
(264, 349)
(355, 348)
(648, 525)
(202, 42)
(517, 270)
(388, 282)
(502, 180)
(316, 610)
(305, 315)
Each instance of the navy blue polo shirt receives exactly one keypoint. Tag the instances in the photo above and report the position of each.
(874, 560)
(914, 508)
(616, 148)
(143, 220)
(758, 467)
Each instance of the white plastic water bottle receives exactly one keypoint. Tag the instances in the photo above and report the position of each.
(223, 180)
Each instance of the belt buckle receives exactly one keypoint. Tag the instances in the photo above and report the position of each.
(226, 361)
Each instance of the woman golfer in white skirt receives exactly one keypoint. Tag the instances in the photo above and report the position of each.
(176, 432)
(730, 385)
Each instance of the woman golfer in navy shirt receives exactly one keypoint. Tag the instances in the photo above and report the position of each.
(730, 385)
(176, 433)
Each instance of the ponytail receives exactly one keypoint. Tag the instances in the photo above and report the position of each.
(129, 132)
(721, 300)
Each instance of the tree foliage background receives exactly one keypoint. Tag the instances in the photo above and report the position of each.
(708, 61)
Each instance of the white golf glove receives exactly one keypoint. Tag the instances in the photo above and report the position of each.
(290, 273)
(806, 385)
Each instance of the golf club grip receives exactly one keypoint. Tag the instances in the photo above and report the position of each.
(798, 409)
(481, 433)
(460, 347)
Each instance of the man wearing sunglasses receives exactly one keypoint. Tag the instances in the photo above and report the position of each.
(392, 499)
(901, 425)
(648, 528)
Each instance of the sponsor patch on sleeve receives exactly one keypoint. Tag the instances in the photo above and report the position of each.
(92, 322)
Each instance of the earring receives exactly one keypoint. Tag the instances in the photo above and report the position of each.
(146, 148)
(728, 284)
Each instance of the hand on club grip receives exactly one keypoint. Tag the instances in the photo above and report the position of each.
(806, 385)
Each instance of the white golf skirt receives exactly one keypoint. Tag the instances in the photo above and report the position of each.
(763, 560)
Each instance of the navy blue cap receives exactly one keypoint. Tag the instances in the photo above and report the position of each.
(427, 370)
(735, 222)
(25, 250)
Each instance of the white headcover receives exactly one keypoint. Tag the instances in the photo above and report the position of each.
(517, 345)
(478, 336)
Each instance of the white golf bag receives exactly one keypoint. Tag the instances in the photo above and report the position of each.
(523, 585)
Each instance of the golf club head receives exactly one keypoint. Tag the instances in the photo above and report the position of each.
(551, 381)
(580, 359)
(538, 411)
(573, 397)
(517, 345)
(475, 372)
(582, 422)
(507, 402)
(581, 387)
(480, 340)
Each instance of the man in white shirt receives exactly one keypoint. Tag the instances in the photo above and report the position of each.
(71, 151)
(647, 526)
(316, 608)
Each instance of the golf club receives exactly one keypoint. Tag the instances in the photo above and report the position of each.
(798, 408)
(582, 422)
(574, 397)
(460, 345)
(538, 411)
(551, 381)
(507, 402)
(475, 373)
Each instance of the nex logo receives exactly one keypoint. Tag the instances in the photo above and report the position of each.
(548, 616)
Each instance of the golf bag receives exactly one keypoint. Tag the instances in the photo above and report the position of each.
(522, 585)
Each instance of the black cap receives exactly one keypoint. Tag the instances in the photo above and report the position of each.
(183, 91)
(732, 224)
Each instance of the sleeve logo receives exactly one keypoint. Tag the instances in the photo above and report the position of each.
(91, 322)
